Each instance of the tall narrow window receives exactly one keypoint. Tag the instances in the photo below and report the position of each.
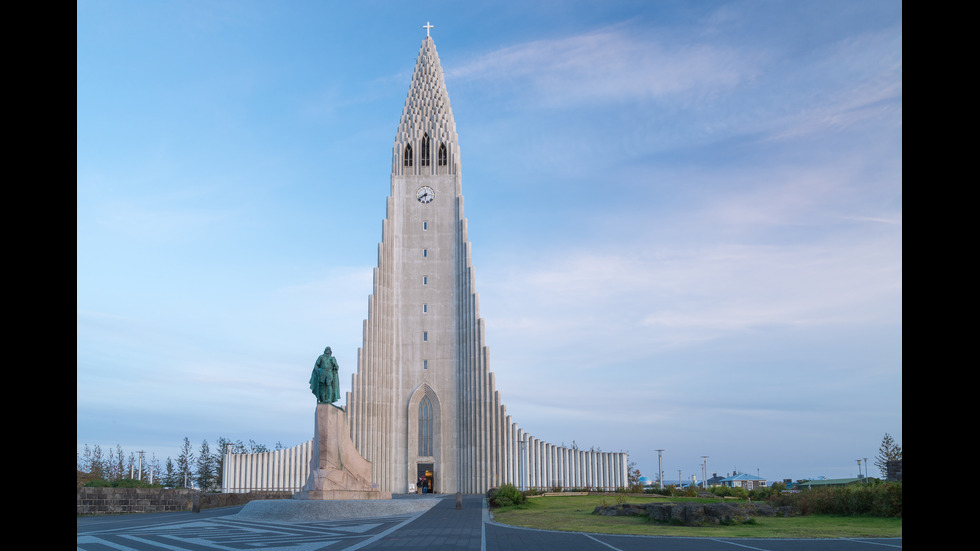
(425, 336)
(425, 308)
(425, 427)
(443, 158)
(425, 253)
(424, 160)
(425, 280)
(408, 155)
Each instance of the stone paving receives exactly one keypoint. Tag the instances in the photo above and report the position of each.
(440, 527)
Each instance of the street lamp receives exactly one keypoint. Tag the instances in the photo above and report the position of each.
(704, 472)
(660, 466)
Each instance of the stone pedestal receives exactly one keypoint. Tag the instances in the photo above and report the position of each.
(337, 470)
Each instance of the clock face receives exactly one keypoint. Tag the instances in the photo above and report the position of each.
(425, 194)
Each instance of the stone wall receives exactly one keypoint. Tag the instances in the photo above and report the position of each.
(115, 501)
(894, 470)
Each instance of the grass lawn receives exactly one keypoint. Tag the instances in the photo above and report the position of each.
(574, 513)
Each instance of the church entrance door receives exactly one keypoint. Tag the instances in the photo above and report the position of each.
(426, 478)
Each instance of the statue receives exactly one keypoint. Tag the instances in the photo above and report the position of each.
(324, 381)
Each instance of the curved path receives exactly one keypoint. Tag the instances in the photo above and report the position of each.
(440, 527)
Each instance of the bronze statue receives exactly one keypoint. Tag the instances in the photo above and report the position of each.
(324, 381)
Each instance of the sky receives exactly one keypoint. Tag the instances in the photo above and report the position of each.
(685, 218)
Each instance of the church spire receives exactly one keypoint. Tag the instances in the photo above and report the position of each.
(426, 140)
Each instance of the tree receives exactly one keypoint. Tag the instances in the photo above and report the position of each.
(96, 466)
(170, 475)
(184, 462)
(83, 463)
(206, 469)
(633, 477)
(889, 451)
(118, 467)
(86, 461)
(153, 469)
(131, 467)
(109, 472)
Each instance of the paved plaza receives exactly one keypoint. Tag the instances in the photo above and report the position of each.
(440, 527)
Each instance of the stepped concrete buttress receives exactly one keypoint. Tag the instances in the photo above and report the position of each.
(337, 470)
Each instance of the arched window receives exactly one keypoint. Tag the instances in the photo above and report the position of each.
(443, 161)
(424, 160)
(408, 155)
(425, 427)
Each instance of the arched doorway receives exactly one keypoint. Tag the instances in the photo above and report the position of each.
(424, 438)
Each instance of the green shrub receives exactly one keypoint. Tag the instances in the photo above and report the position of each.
(764, 493)
(690, 491)
(505, 496)
(98, 483)
(119, 483)
(729, 491)
(875, 500)
(735, 521)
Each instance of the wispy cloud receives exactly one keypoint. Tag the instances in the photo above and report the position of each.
(692, 295)
(612, 64)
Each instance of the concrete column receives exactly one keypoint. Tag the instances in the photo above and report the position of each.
(563, 467)
(539, 463)
(624, 469)
(603, 474)
(521, 466)
(597, 460)
(548, 466)
(605, 470)
(587, 465)
(593, 471)
(573, 464)
(532, 462)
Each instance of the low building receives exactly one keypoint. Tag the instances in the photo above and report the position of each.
(744, 480)
(715, 480)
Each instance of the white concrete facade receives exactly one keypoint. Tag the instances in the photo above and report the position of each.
(424, 338)
(423, 395)
(283, 470)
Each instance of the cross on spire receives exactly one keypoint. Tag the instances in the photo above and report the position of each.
(427, 26)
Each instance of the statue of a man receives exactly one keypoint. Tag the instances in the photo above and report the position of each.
(324, 381)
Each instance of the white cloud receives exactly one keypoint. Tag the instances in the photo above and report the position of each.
(696, 294)
(612, 64)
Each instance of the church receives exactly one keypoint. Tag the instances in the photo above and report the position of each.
(423, 401)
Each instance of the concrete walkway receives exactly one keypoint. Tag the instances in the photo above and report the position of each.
(431, 522)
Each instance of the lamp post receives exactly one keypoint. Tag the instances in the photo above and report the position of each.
(704, 472)
(660, 467)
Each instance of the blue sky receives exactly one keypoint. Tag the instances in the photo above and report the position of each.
(686, 218)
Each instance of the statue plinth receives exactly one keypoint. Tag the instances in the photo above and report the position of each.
(337, 470)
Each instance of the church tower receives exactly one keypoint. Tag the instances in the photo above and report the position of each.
(423, 399)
